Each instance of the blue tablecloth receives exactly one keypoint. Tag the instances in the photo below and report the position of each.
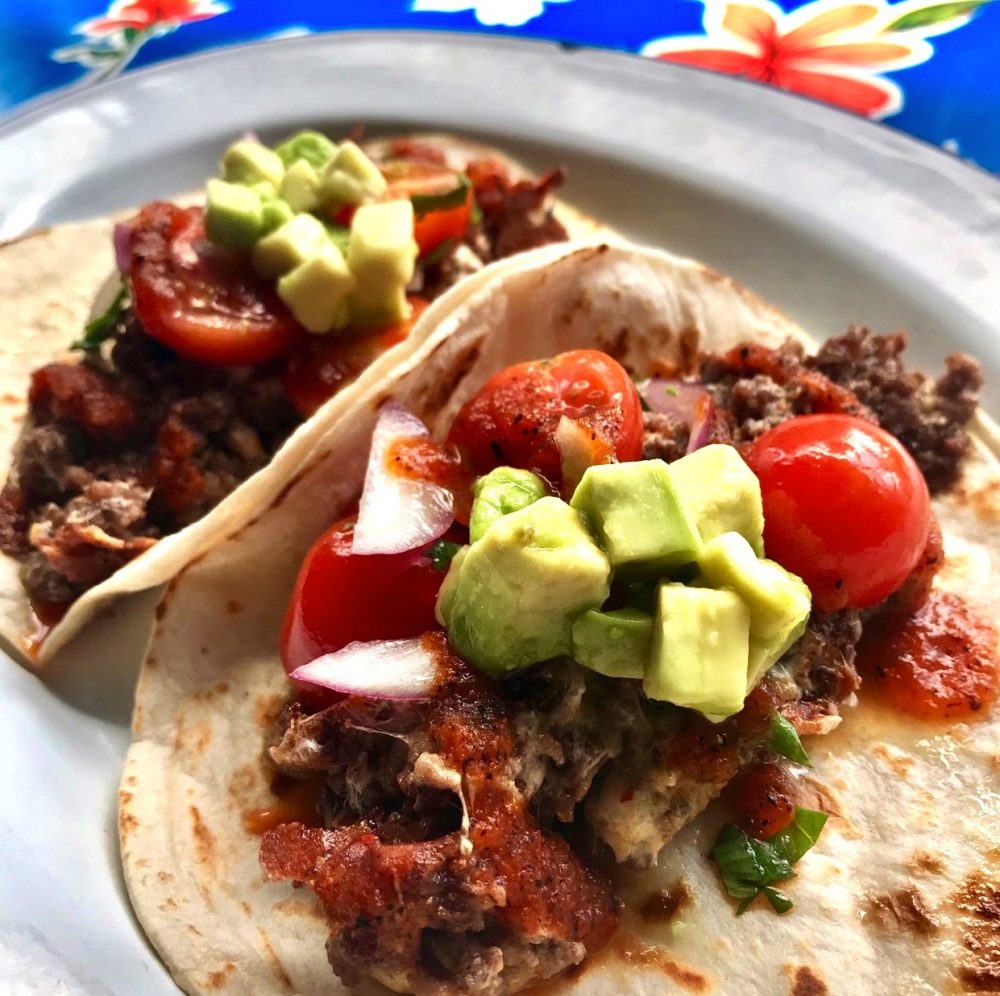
(927, 67)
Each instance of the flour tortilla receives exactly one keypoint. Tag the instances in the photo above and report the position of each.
(51, 282)
(918, 806)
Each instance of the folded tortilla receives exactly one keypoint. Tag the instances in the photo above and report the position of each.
(52, 282)
(886, 901)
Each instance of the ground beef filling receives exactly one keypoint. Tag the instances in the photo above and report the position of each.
(124, 449)
(858, 374)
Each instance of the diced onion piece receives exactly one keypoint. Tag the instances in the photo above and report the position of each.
(122, 239)
(398, 513)
(671, 397)
(701, 423)
(378, 669)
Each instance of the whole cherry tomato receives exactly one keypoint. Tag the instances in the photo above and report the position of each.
(202, 301)
(845, 507)
(514, 419)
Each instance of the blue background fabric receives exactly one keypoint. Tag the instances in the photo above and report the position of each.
(950, 98)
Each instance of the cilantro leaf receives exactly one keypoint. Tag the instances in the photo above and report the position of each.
(456, 197)
(441, 554)
(751, 867)
(784, 740)
(103, 326)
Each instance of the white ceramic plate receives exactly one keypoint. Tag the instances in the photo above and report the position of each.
(833, 219)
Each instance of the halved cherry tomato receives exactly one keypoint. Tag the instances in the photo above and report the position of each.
(845, 507)
(764, 796)
(431, 228)
(341, 597)
(201, 301)
(323, 364)
(514, 418)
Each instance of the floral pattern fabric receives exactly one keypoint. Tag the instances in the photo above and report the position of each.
(927, 67)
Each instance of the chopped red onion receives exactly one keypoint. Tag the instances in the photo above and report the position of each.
(378, 669)
(398, 513)
(122, 239)
(701, 422)
(672, 397)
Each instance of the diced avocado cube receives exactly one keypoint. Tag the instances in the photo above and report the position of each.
(310, 146)
(274, 213)
(250, 162)
(779, 602)
(300, 238)
(264, 190)
(300, 187)
(316, 290)
(510, 599)
(382, 255)
(233, 214)
(613, 643)
(351, 178)
(634, 511)
(502, 491)
(721, 494)
(700, 652)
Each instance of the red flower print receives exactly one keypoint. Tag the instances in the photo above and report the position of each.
(830, 50)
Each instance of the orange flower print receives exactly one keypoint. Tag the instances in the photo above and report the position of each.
(830, 50)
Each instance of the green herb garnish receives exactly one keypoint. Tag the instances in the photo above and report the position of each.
(103, 326)
(442, 553)
(784, 740)
(751, 867)
(426, 203)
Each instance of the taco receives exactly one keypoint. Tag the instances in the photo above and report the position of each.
(564, 804)
(191, 394)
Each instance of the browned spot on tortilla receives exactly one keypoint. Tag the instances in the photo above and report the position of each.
(902, 910)
(267, 710)
(150, 663)
(283, 493)
(132, 780)
(300, 907)
(441, 388)
(925, 863)
(11, 399)
(244, 784)
(617, 344)
(246, 908)
(984, 501)
(164, 877)
(814, 794)
(978, 901)
(216, 980)
(805, 982)
(161, 608)
(664, 904)
(232, 606)
(277, 969)
(192, 929)
(635, 952)
(127, 821)
(204, 842)
(900, 764)
(689, 342)
(167, 905)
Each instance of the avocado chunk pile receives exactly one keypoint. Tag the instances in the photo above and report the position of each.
(279, 206)
(711, 613)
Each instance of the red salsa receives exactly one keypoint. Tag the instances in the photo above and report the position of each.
(937, 663)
